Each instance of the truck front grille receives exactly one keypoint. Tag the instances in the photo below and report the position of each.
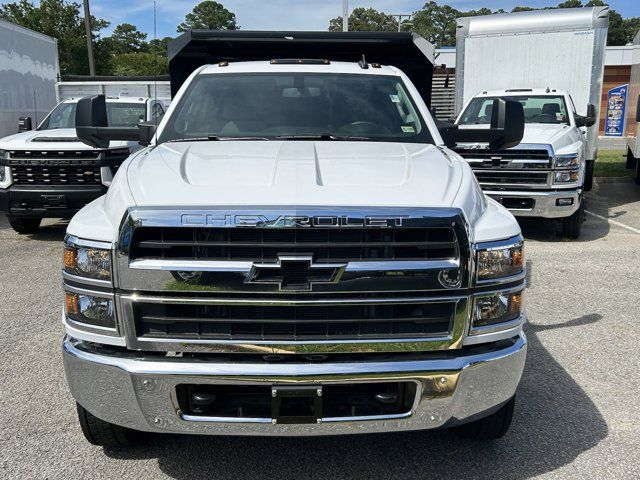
(49, 154)
(264, 245)
(56, 175)
(506, 155)
(497, 177)
(293, 322)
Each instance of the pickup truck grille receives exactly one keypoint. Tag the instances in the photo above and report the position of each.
(278, 280)
(496, 177)
(49, 154)
(287, 323)
(56, 175)
(512, 154)
(264, 245)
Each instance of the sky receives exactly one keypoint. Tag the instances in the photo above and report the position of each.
(290, 14)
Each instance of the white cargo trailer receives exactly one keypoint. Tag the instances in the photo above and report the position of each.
(28, 73)
(75, 86)
(562, 49)
(633, 111)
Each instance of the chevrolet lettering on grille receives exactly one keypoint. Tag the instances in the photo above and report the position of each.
(287, 221)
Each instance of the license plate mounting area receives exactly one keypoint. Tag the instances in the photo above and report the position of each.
(300, 404)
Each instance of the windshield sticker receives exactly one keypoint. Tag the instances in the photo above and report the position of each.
(408, 129)
(394, 98)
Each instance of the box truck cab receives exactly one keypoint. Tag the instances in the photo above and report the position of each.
(543, 176)
(561, 49)
(49, 173)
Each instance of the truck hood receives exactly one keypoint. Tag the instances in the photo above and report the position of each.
(294, 173)
(57, 139)
(545, 133)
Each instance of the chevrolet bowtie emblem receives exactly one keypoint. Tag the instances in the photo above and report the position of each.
(294, 272)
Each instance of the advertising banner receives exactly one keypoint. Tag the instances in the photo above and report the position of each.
(616, 105)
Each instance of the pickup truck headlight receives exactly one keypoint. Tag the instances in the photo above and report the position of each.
(87, 262)
(565, 177)
(566, 161)
(92, 310)
(496, 308)
(500, 262)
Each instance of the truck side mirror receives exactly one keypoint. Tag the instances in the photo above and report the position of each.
(147, 130)
(24, 124)
(506, 129)
(638, 110)
(589, 120)
(92, 125)
(507, 119)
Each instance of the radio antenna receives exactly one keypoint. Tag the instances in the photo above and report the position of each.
(155, 61)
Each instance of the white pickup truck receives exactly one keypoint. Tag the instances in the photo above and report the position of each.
(49, 173)
(296, 252)
(543, 176)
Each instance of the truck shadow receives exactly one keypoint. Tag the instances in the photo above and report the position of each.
(51, 230)
(555, 421)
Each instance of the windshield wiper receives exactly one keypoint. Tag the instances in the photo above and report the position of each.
(213, 138)
(324, 136)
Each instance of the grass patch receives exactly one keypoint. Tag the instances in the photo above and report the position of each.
(611, 163)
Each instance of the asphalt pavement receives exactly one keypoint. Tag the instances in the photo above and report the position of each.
(576, 415)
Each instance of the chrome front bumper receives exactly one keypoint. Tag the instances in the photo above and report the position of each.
(544, 202)
(139, 393)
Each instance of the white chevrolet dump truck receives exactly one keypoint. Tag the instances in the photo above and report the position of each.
(296, 252)
(49, 173)
(552, 62)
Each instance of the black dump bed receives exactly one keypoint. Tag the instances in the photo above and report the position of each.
(407, 51)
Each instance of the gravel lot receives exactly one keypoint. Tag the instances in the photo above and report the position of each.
(576, 416)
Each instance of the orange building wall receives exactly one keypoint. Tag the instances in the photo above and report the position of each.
(614, 76)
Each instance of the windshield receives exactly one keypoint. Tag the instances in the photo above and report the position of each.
(118, 115)
(537, 109)
(298, 105)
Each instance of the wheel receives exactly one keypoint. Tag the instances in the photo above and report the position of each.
(24, 226)
(631, 160)
(105, 434)
(492, 427)
(588, 175)
(572, 225)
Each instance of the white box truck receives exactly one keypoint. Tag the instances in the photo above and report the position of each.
(633, 111)
(28, 73)
(552, 62)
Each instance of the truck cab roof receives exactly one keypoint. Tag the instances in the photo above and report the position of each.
(261, 66)
(111, 100)
(515, 92)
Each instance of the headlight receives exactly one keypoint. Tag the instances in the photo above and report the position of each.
(91, 310)
(500, 262)
(565, 177)
(5, 177)
(566, 161)
(87, 262)
(496, 308)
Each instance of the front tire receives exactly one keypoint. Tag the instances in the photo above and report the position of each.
(572, 225)
(105, 434)
(24, 226)
(588, 175)
(631, 160)
(492, 427)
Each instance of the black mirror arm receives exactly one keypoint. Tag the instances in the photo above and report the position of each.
(99, 137)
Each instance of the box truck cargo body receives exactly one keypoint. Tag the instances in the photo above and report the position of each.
(28, 73)
(633, 111)
(561, 49)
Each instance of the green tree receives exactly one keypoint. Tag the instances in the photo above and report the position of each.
(366, 20)
(140, 64)
(61, 19)
(209, 15)
(159, 45)
(126, 38)
(437, 23)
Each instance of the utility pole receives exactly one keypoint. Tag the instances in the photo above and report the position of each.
(87, 26)
(345, 15)
(400, 16)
